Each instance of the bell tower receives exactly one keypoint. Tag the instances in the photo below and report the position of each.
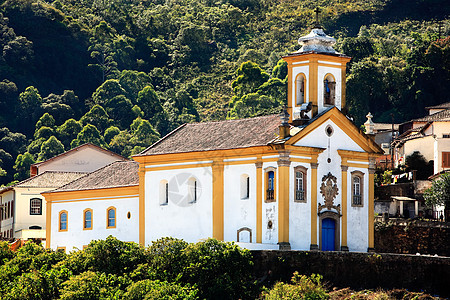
(316, 76)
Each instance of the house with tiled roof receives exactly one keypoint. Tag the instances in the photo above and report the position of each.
(302, 180)
(23, 214)
(22, 207)
(429, 135)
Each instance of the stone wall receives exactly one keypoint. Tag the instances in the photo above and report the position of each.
(411, 237)
(357, 270)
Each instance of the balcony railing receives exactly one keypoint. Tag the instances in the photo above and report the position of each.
(270, 194)
(300, 195)
(356, 199)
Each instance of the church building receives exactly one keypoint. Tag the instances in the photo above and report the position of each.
(302, 181)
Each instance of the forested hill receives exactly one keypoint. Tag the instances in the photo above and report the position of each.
(121, 73)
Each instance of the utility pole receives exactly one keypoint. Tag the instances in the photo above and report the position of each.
(392, 140)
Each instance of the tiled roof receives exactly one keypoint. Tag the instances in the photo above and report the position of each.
(49, 179)
(439, 116)
(229, 134)
(445, 105)
(116, 174)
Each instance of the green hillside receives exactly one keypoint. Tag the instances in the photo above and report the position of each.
(122, 73)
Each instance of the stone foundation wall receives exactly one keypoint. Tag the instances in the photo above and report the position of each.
(357, 270)
(413, 237)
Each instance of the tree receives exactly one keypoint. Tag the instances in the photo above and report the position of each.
(110, 133)
(22, 166)
(133, 82)
(50, 148)
(120, 110)
(102, 50)
(29, 108)
(89, 134)
(46, 120)
(249, 78)
(68, 131)
(98, 117)
(145, 134)
(108, 90)
(418, 163)
(439, 192)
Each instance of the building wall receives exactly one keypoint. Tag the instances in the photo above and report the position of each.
(423, 145)
(75, 237)
(270, 209)
(23, 217)
(86, 159)
(179, 218)
(7, 223)
(239, 211)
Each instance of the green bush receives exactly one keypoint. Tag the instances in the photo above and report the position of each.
(160, 290)
(5, 252)
(302, 287)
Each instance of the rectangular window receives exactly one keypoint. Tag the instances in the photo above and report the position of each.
(248, 187)
(270, 196)
(35, 206)
(446, 159)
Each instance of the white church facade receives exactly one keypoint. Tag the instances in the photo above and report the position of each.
(304, 182)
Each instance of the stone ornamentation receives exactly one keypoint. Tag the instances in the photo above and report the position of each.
(329, 191)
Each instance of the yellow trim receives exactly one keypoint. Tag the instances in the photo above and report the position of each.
(283, 204)
(313, 84)
(141, 205)
(344, 204)
(177, 167)
(304, 89)
(92, 194)
(48, 224)
(371, 210)
(84, 219)
(217, 203)
(289, 89)
(329, 65)
(107, 217)
(169, 158)
(259, 186)
(59, 220)
(345, 125)
(313, 205)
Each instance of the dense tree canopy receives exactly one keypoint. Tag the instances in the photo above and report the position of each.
(106, 63)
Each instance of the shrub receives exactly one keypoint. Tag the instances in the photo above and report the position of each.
(5, 252)
(161, 290)
(302, 287)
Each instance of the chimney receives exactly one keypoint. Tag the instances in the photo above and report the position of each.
(285, 128)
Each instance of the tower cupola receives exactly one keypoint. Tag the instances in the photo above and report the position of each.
(316, 76)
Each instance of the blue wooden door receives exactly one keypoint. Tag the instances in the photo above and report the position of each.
(328, 234)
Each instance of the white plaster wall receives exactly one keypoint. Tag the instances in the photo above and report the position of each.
(86, 159)
(357, 217)
(297, 69)
(423, 145)
(336, 72)
(270, 209)
(23, 218)
(7, 224)
(299, 212)
(178, 219)
(238, 212)
(441, 145)
(75, 237)
(339, 140)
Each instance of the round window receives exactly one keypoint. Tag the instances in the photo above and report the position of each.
(329, 130)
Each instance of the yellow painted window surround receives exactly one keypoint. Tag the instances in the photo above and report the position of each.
(87, 219)
(357, 188)
(111, 217)
(63, 220)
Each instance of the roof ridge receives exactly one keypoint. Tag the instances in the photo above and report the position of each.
(233, 120)
(162, 139)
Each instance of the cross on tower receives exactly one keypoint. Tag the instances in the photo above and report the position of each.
(317, 11)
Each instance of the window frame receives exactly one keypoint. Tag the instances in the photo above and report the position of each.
(31, 207)
(270, 194)
(193, 190)
(91, 220)
(163, 192)
(297, 80)
(59, 221)
(108, 226)
(332, 95)
(304, 172)
(445, 159)
(360, 176)
(245, 186)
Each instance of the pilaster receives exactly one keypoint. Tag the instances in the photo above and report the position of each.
(259, 187)
(314, 244)
(283, 198)
(217, 204)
